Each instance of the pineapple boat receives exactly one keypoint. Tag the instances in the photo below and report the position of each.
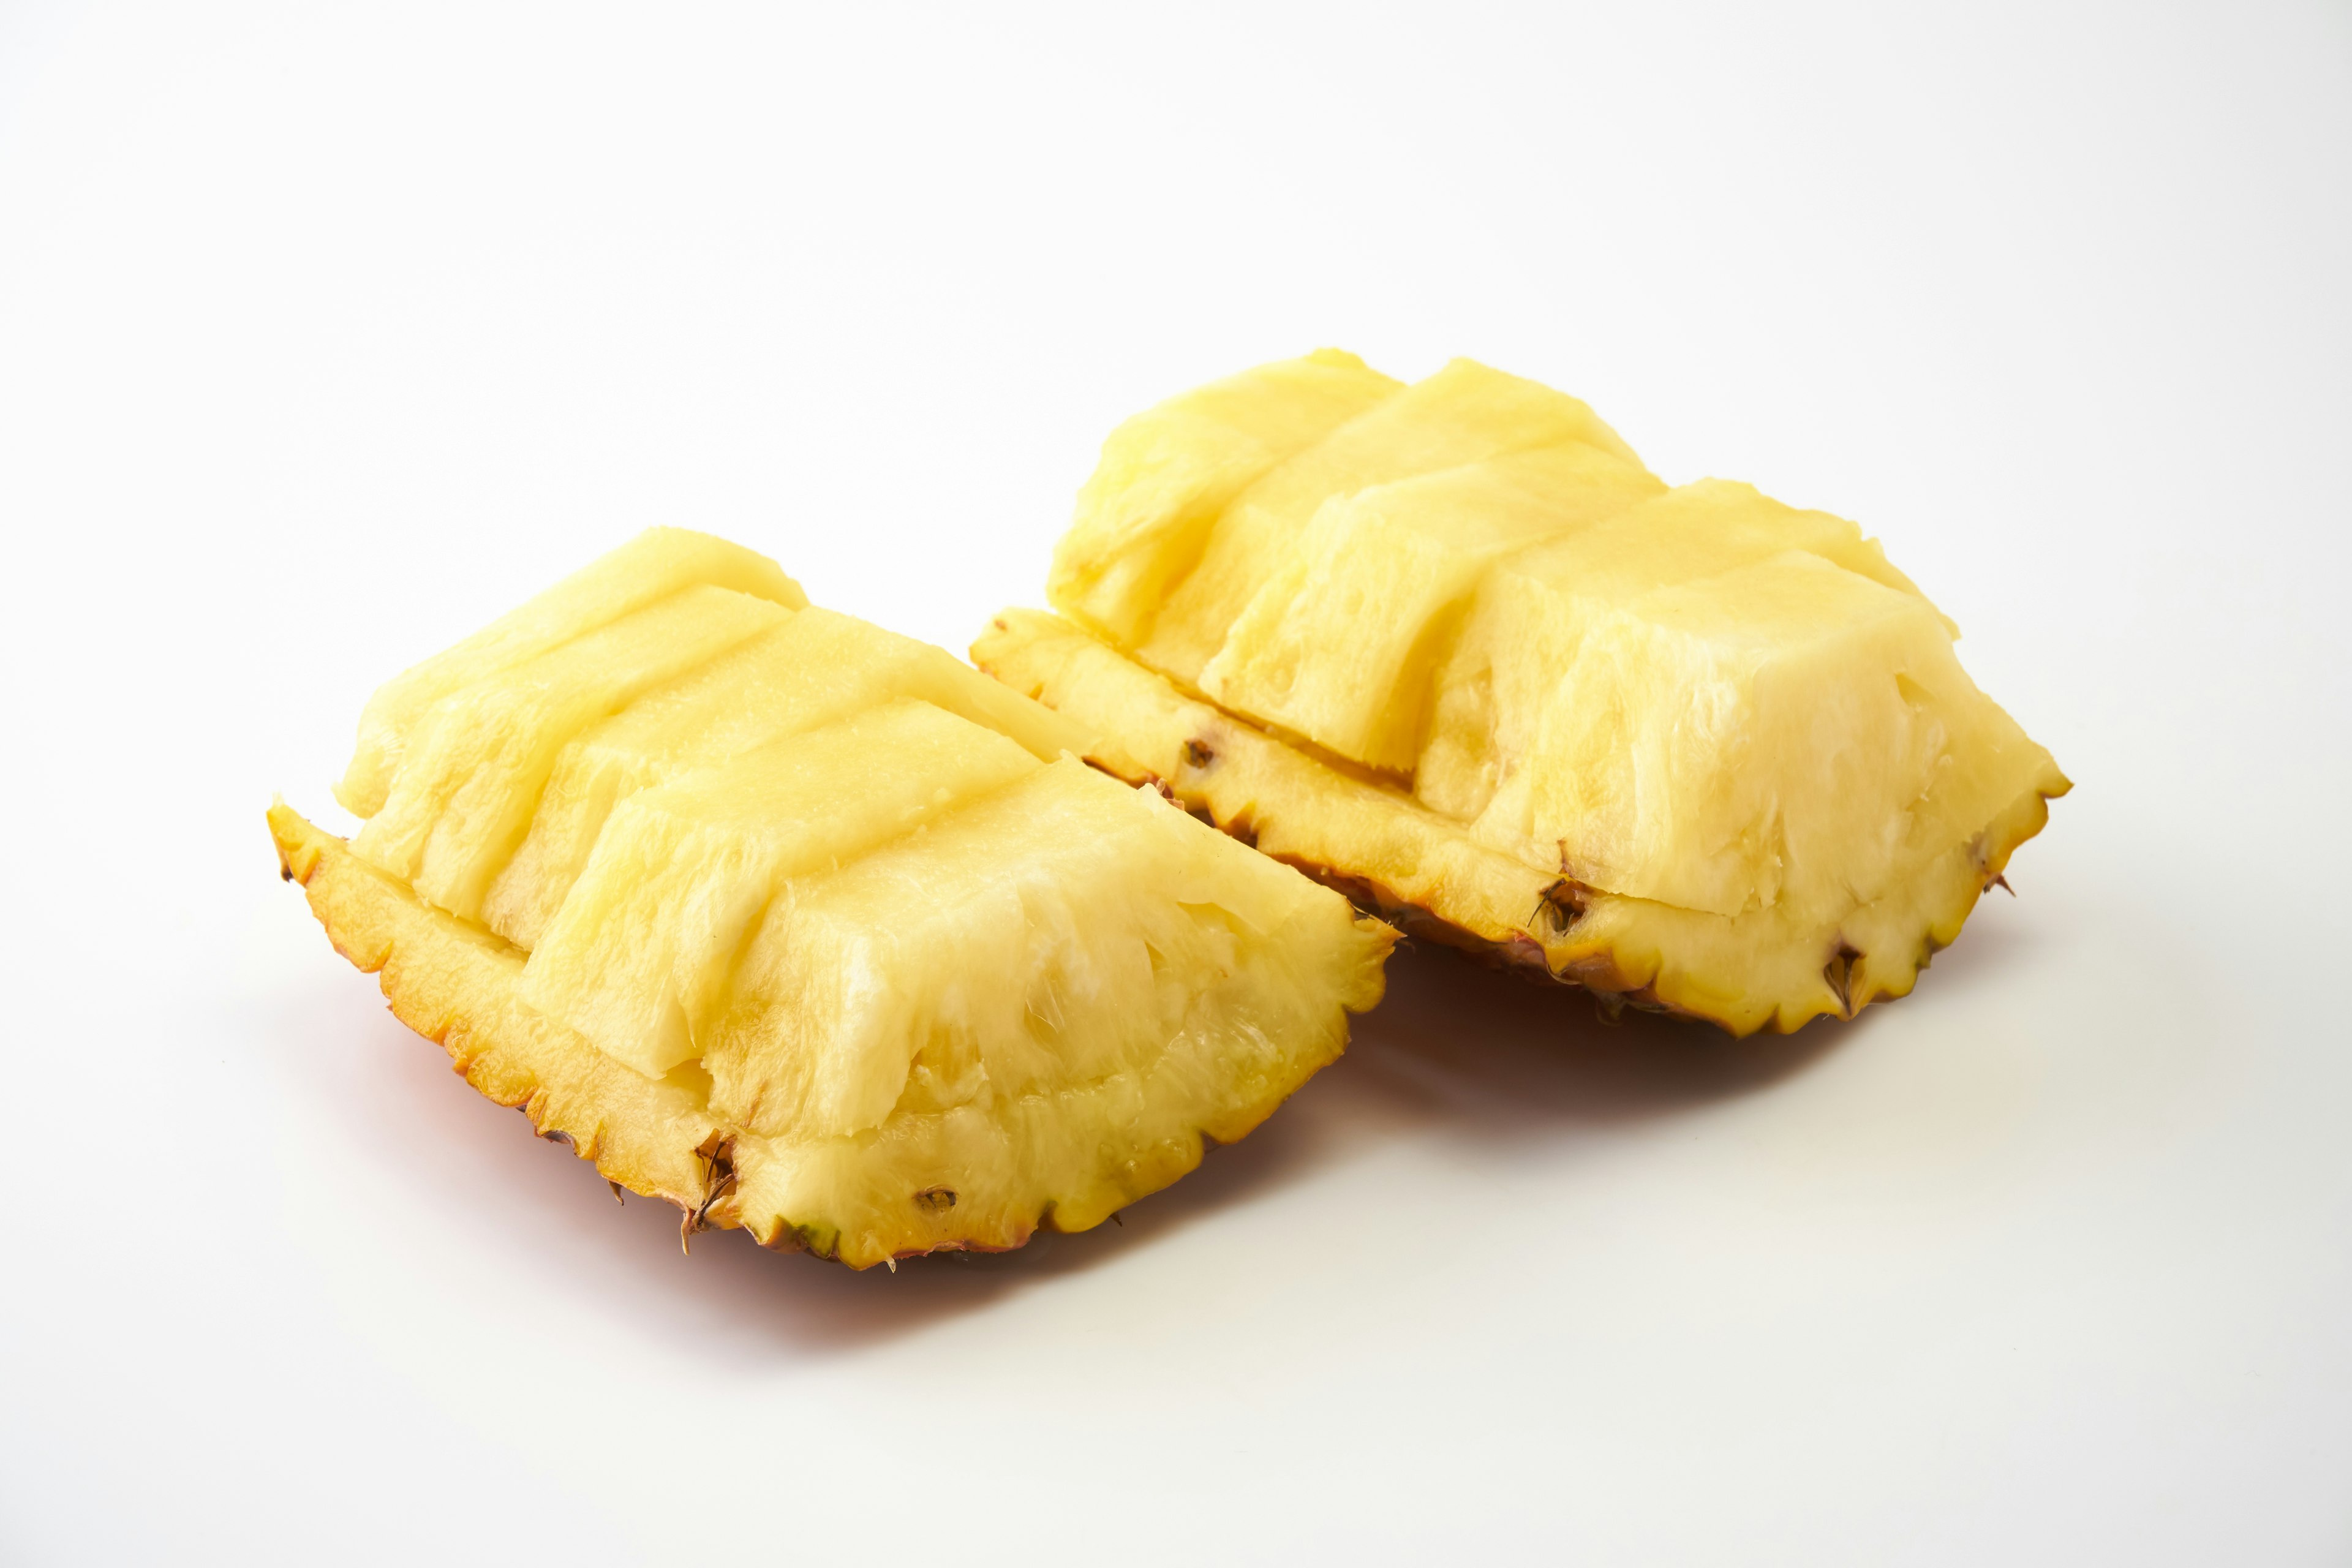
(1453, 649)
(809, 928)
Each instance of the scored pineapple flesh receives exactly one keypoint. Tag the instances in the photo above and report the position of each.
(1384, 572)
(462, 797)
(1464, 413)
(1052, 935)
(649, 568)
(1725, 743)
(815, 668)
(1166, 475)
(817, 930)
(641, 950)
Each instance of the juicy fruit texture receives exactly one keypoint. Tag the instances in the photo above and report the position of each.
(652, 566)
(1384, 573)
(1466, 414)
(464, 793)
(815, 668)
(1167, 476)
(814, 930)
(641, 954)
(1467, 657)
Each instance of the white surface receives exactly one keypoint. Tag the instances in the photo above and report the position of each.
(326, 334)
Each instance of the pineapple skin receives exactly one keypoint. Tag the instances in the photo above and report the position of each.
(1426, 874)
(1125, 1136)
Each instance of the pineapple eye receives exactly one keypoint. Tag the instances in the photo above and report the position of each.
(935, 1200)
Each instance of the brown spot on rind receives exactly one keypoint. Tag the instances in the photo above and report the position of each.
(1839, 972)
(718, 1155)
(1559, 905)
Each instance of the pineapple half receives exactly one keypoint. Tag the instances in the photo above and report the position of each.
(809, 928)
(1452, 649)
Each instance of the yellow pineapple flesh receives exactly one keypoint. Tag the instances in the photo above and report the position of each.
(814, 930)
(1466, 658)
(1464, 413)
(649, 568)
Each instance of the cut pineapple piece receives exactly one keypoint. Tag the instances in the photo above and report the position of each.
(1501, 678)
(1165, 476)
(1767, 731)
(464, 794)
(1464, 413)
(643, 948)
(651, 567)
(1694, 749)
(818, 666)
(1339, 645)
(845, 958)
(1077, 930)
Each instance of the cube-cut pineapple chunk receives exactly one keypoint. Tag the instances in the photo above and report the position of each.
(1763, 731)
(1167, 475)
(1064, 931)
(641, 956)
(815, 668)
(1384, 573)
(814, 929)
(1467, 658)
(649, 568)
(1464, 413)
(478, 758)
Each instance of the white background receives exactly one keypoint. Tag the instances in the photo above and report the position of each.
(327, 333)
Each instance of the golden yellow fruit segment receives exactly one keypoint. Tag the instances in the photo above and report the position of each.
(1080, 922)
(1382, 575)
(1495, 685)
(651, 567)
(1766, 732)
(469, 779)
(643, 949)
(1166, 474)
(1464, 413)
(1763, 970)
(828, 935)
(815, 668)
(1717, 751)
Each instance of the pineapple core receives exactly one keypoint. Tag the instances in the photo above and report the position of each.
(811, 928)
(1452, 646)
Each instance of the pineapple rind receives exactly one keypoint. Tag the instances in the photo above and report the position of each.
(458, 986)
(863, 1199)
(1133, 1132)
(1753, 971)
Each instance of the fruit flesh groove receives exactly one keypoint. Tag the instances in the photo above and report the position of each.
(809, 928)
(1452, 649)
